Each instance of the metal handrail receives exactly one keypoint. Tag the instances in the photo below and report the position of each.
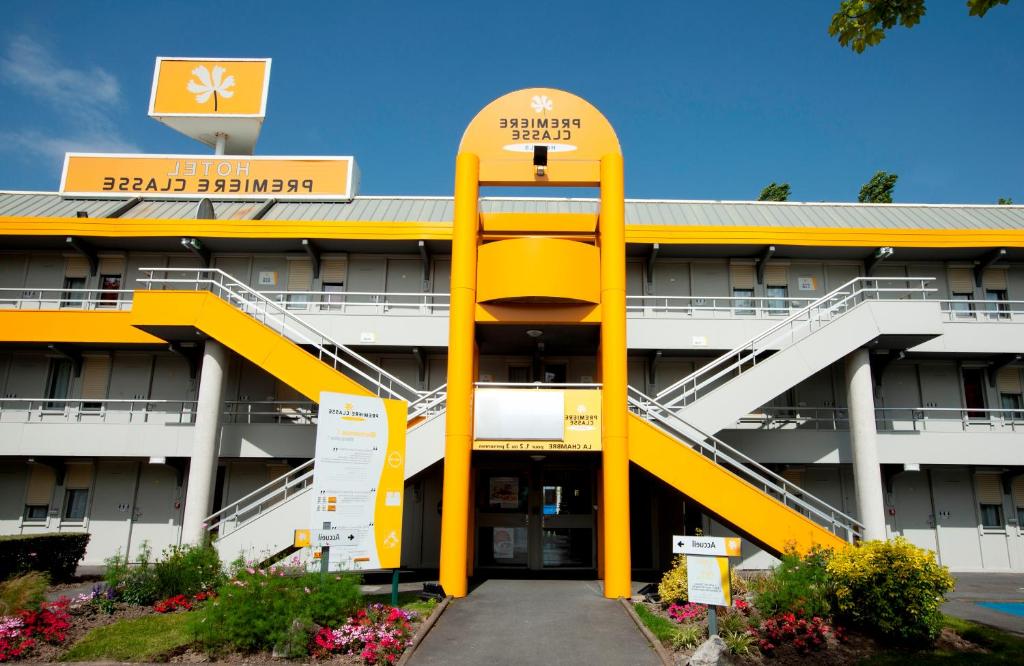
(821, 311)
(63, 298)
(745, 467)
(77, 408)
(290, 483)
(886, 418)
(537, 385)
(701, 306)
(263, 309)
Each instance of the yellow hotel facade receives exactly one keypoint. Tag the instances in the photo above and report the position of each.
(585, 377)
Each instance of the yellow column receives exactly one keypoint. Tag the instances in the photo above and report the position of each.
(615, 441)
(458, 441)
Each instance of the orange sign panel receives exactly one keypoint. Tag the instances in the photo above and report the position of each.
(212, 176)
(210, 87)
(507, 132)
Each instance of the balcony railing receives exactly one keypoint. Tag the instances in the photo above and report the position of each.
(888, 419)
(362, 302)
(85, 410)
(65, 299)
(713, 307)
(979, 310)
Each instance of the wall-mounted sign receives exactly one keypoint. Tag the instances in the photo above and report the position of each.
(204, 97)
(537, 420)
(358, 481)
(806, 283)
(212, 176)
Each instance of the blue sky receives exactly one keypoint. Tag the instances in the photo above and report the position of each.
(710, 100)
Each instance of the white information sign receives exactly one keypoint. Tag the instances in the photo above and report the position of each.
(701, 545)
(707, 580)
(358, 479)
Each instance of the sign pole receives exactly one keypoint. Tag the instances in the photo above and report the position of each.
(325, 560)
(712, 621)
(394, 587)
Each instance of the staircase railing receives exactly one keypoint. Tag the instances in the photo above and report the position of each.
(276, 317)
(263, 498)
(795, 327)
(745, 467)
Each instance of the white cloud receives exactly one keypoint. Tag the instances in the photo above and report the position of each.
(84, 102)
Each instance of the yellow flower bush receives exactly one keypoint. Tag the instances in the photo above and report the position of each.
(672, 588)
(890, 588)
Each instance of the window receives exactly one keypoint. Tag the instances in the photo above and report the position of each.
(744, 302)
(989, 488)
(75, 500)
(961, 305)
(991, 515)
(996, 305)
(1014, 404)
(519, 374)
(974, 392)
(110, 285)
(778, 303)
(73, 295)
(57, 382)
(36, 513)
(333, 298)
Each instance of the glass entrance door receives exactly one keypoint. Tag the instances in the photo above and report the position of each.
(534, 515)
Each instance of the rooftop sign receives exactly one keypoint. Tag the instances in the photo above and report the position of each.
(210, 176)
(204, 97)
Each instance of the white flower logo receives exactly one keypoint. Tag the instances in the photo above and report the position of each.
(541, 103)
(582, 409)
(211, 85)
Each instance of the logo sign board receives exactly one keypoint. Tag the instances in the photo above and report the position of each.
(537, 420)
(210, 87)
(701, 545)
(707, 581)
(359, 481)
(211, 176)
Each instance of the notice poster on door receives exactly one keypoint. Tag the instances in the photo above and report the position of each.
(358, 481)
(504, 543)
(504, 492)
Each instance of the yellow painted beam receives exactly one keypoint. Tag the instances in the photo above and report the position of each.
(823, 236)
(539, 269)
(73, 326)
(250, 339)
(744, 506)
(538, 313)
(548, 223)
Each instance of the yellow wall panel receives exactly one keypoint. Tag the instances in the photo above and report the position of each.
(538, 269)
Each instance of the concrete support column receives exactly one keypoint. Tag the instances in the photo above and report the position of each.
(202, 471)
(867, 474)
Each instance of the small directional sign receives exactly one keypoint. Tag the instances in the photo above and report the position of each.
(701, 545)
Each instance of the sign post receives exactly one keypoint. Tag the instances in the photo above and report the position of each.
(707, 571)
(358, 482)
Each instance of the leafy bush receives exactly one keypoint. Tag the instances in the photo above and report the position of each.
(57, 555)
(739, 642)
(732, 622)
(22, 592)
(892, 589)
(181, 570)
(799, 584)
(672, 588)
(268, 609)
(688, 636)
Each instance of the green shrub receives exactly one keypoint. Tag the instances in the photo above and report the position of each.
(731, 622)
(892, 589)
(799, 584)
(738, 642)
(687, 636)
(180, 570)
(266, 609)
(57, 555)
(672, 588)
(23, 592)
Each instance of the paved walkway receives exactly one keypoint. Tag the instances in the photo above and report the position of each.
(999, 587)
(519, 622)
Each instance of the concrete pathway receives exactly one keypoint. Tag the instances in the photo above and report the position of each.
(519, 622)
(999, 587)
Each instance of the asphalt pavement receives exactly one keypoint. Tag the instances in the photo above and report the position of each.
(972, 588)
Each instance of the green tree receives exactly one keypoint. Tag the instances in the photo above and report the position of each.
(775, 192)
(860, 24)
(1005, 201)
(878, 189)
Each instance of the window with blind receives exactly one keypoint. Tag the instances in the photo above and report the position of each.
(77, 480)
(332, 281)
(1018, 498)
(990, 500)
(300, 279)
(776, 280)
(40, 489)
(742, 279)
(76, 271)
(961, 291)
(95, 375)
(58, 381)
(1011, 393)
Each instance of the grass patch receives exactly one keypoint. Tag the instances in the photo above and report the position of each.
(142, 639)
(663, 628)
(409, 601)
(1005, 648)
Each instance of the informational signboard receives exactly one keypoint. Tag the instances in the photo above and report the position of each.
(359, 481)
(537, 420)
(211, 99)
(707, 580)
(211, 176)
(702, 545)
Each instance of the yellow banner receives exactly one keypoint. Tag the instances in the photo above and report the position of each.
(318, 178)
(581, 430)
(210, 87)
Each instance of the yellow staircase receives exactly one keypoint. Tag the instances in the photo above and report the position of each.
(740, 492)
